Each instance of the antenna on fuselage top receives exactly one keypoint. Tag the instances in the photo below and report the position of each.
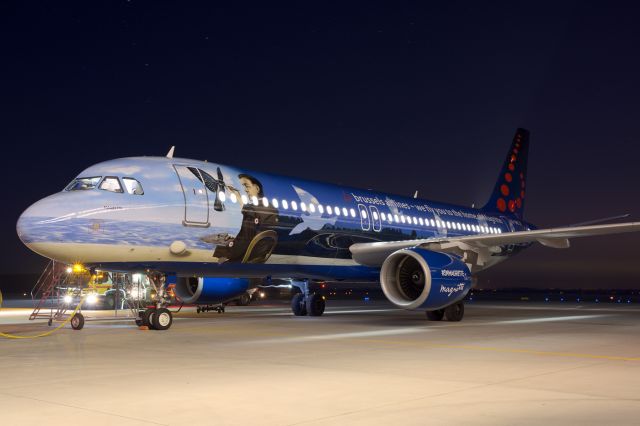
(415, 195)
(170, 153)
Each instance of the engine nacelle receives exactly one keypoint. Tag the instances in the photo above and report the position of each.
(210, 290)
(416, 278)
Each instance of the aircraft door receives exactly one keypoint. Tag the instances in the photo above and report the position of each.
(196, 199)
(375, 218)
(365, 220)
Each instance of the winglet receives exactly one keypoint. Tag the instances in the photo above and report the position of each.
(170, 153)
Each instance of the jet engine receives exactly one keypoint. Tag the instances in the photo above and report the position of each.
(417, 278)
(204, 290)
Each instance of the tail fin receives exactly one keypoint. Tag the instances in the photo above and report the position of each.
(509, 193)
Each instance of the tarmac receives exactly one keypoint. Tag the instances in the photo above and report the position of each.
(359, 364)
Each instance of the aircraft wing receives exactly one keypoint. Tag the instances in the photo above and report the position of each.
(476, 249)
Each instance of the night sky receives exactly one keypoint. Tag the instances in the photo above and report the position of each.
(391, 96)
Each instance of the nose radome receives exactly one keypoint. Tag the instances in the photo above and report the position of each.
(31, 221)
(27, 220)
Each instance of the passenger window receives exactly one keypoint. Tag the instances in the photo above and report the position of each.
(83, 183)
(111, 183)
(132, 186)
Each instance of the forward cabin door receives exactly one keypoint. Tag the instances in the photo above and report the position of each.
(196, 199)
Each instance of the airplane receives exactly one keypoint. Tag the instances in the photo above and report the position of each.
(216, 230)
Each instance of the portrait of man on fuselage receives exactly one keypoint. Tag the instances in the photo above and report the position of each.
(252, 244)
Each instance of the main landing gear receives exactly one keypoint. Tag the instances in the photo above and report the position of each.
(306, 303)
(453, 313)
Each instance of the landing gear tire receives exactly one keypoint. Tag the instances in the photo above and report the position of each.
(436, 315)
(162, 319)
(244, 300)
(147, 317)
(315, 305)
(77, 321)
(454, 312)
(298, 307)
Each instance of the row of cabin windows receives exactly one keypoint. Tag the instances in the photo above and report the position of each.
(109, 183)
(338, 211)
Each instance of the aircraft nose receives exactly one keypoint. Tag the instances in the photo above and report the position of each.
(28, 219)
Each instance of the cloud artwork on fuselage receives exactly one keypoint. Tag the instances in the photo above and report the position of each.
(223, 214)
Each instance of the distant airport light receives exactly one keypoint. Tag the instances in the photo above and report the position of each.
(92, 299)
(221, 196)
(68, 299)
(69, 269)
(274, 203)
(77, 268)
(285, 204)
(294, 206)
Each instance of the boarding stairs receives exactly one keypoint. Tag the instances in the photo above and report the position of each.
(48, 291)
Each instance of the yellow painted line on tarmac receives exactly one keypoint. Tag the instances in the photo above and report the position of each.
(499, 349)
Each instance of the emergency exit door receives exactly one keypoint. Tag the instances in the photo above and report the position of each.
(196, 199)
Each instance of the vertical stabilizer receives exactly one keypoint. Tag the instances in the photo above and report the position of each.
(509, 192)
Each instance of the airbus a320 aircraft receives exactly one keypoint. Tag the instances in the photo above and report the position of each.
(216, 227)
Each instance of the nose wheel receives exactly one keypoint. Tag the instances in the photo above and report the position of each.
(156, 318)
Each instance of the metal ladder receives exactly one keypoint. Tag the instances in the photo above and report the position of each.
(48, 285)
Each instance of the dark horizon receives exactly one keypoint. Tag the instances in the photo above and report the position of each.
(397, 98)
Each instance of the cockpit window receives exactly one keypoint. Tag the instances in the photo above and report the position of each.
(132, 186)
(111, 183)
(83, 183)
